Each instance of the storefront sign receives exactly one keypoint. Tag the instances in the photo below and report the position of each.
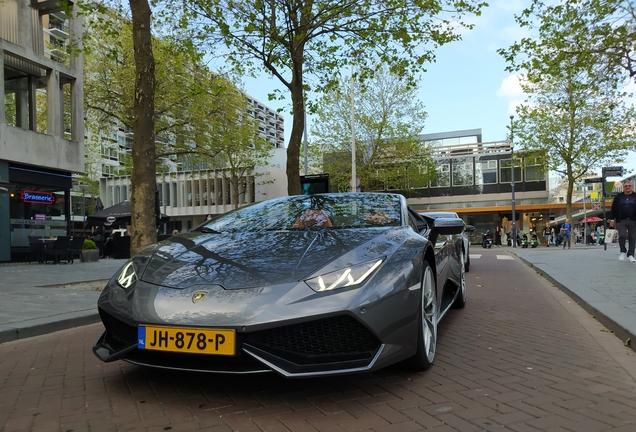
(38, 197)
(40, 217)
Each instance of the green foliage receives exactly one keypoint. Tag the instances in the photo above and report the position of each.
(89, 244)
(598, 36)
(575, 119)
(192, 104)
(388, 121)
(574, 123)
(306, 44)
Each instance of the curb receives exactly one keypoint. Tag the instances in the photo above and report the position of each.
(38, 327)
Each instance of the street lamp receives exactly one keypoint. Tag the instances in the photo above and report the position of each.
(354, 177)
(512, 185)
(83, 187)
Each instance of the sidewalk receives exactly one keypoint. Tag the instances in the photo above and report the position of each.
(40, 298)
(593, 277)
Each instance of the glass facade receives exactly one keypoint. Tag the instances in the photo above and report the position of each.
(37, 211)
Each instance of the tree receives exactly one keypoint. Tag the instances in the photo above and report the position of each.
(185, 114)
(290, 39)
(198, 115)
(599, 34)
(388, 121)
(571, 126)
(142, 194)
(576, 117)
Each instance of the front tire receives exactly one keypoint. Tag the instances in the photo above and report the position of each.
(427, 323)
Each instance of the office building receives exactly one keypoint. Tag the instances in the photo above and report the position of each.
(41, 121)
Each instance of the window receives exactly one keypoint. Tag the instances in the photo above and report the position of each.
(505, 174)
(533, 171)
(443, 176)
(486, 172)
(462, 173)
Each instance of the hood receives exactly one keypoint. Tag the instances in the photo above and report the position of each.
(256, 259)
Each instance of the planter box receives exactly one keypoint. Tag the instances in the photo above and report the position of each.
(90, 255)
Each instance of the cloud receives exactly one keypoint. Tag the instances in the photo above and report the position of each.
(510, 89)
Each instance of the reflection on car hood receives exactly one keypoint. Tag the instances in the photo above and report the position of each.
(247, 260)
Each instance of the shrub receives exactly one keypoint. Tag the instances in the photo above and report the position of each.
(89, 244)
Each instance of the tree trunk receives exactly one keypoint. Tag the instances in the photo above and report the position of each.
(142, 194)
(298, 126)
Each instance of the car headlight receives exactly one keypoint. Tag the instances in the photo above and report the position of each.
(127, 277)
(346, 277)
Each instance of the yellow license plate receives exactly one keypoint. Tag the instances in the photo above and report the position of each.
(186, 340)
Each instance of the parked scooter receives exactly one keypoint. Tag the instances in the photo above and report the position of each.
(534, 241)
(487, 240)
(524, 241)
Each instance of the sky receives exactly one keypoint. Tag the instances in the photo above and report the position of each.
(468, 86)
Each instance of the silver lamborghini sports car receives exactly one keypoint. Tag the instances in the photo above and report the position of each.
(301, 285)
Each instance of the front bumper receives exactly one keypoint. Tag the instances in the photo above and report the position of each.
(320, 346)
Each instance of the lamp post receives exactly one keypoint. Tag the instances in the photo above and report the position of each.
(83, 187)
(354, 176)
(305, 132)
(512, 185)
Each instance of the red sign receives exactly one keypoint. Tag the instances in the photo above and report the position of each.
(38, 197)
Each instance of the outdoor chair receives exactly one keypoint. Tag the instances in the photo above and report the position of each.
(75, 248)
(100, 246)
(36, 249)
(59, 248)
(121, 247)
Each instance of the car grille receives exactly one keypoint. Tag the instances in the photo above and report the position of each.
(337, 338)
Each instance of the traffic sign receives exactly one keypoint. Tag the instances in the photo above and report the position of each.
(593, 180)
(614, 171)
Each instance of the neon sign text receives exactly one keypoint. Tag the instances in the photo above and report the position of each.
(38, 197)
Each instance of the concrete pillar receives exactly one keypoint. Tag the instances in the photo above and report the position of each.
(77, 86)
(2, 96)
(25, 29)
(5, 220)
(54, 104)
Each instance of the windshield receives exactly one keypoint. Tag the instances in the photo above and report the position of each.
(328, 211)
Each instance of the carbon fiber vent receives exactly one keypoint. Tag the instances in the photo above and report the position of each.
(119, 330)
(336, 336)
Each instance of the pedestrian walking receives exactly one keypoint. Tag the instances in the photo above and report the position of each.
(553, 236)
(624, 218)
(566, 230)
(597, 234)
(546, 235)
(498, 236)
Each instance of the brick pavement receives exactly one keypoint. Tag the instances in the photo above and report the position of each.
(522, 356)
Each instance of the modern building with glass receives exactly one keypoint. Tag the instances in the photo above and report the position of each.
(41, 121)
(474, 179)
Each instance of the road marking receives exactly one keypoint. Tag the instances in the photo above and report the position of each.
(474, 256)
(505, 257)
